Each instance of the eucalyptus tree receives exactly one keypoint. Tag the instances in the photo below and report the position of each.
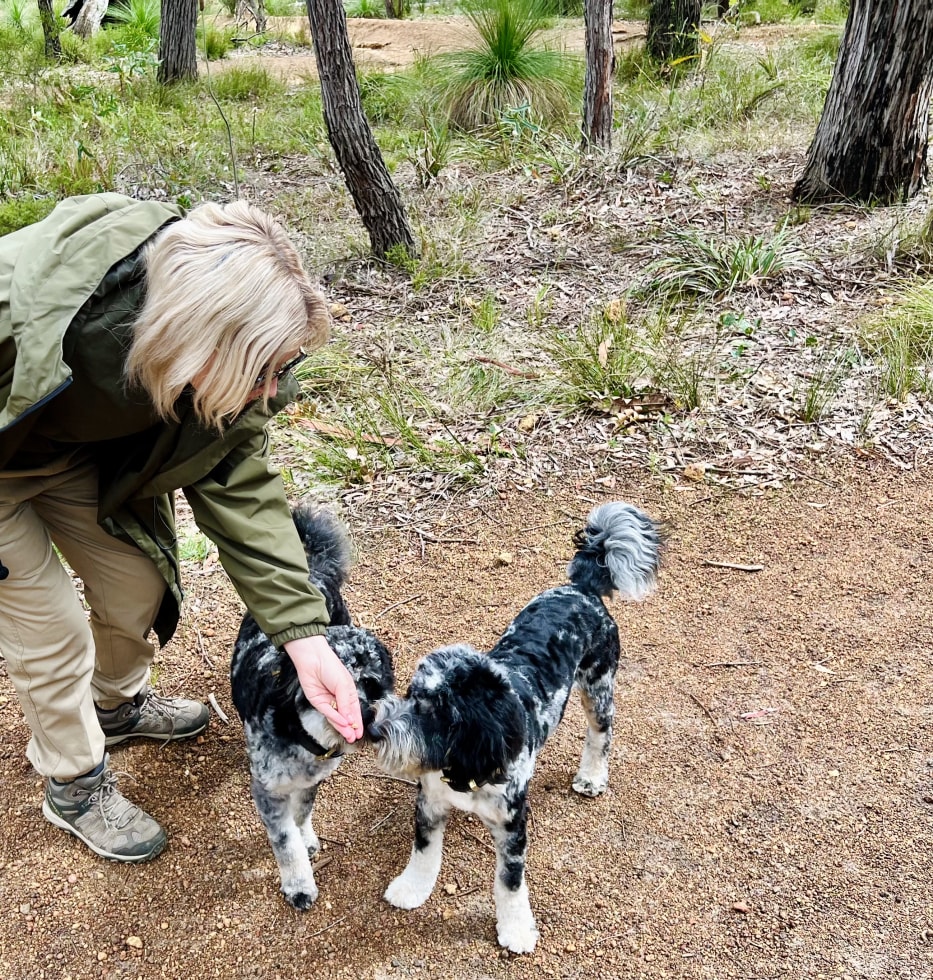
(178, 58)
(871, 140)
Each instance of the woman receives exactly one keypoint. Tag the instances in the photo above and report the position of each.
(143, 351)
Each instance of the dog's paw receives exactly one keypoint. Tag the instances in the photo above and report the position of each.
(310, 840)
(405, 892)
(590, 785)
(301, 898)
(518, 934)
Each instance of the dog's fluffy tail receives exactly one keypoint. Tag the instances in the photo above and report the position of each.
(327, 546)
(618, 550)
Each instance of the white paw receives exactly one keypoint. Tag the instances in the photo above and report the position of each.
(300, 895)
(518, 934)
(407, 892)
(310, 840)
(590, 784)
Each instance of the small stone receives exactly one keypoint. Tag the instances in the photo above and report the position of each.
(134, 941)
(741, 907)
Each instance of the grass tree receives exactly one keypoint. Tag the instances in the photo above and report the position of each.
(509, 67)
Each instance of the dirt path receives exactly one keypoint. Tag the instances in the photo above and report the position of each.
(771, 801)
(387, 45)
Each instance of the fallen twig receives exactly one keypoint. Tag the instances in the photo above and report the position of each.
(729, 564)
(505, 367)
(221, 714)
(379, 823)
(321, 862)
(394, 779)
(709, 714)
(331, 926)
(395, 605)
(427, 536)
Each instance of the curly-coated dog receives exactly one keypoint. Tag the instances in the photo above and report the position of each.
(291, 747)
(471, 725)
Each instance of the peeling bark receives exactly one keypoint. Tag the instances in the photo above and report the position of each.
(871, 140)
(600, 65)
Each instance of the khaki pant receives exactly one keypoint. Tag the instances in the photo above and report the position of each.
(60, 660)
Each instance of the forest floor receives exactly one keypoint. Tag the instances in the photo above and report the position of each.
(770, 807)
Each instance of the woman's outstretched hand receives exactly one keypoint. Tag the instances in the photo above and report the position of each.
(327, 684)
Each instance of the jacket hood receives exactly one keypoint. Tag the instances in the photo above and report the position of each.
(47, 272)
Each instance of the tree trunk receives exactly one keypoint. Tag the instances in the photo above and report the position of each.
(50, 30)
(177, 46)
(254, 10)
(397, 9)
(600, 64)
(871, 140)
(673, 29)
(375, 195)
(89, 17)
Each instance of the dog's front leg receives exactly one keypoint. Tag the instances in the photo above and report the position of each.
(291, 854)
(414, 885)
(515, 922)
(302, 803)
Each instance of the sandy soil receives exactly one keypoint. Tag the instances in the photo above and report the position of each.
(770, 808)
(385, 45)
(771, 799)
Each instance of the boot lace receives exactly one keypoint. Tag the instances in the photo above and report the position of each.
(115, 810)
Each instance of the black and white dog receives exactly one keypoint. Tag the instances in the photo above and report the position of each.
(471, 725)
(291, 747)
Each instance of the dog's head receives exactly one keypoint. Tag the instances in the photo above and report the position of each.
(370, 665)
(460, 717)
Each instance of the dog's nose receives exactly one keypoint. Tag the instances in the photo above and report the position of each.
(374, 731)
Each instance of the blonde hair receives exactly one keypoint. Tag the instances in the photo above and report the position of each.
(226, 298)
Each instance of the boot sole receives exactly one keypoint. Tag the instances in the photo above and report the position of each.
(54, 819)
(110, 740)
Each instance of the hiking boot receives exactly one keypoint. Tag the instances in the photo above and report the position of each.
(91, 808)
(149, 715)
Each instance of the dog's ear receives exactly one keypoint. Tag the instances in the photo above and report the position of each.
(487, 730)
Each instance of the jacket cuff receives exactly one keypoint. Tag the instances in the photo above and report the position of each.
(297, 633)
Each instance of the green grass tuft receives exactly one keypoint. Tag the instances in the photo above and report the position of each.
(901, 342)
(695, 265)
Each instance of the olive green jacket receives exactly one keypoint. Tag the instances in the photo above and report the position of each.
(70, 287)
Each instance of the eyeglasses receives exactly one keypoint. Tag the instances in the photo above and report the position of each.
(283, 370)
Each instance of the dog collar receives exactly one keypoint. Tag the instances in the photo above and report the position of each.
(470, 785)
(315, 747)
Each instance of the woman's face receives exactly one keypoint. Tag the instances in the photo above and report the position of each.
(282, 364)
